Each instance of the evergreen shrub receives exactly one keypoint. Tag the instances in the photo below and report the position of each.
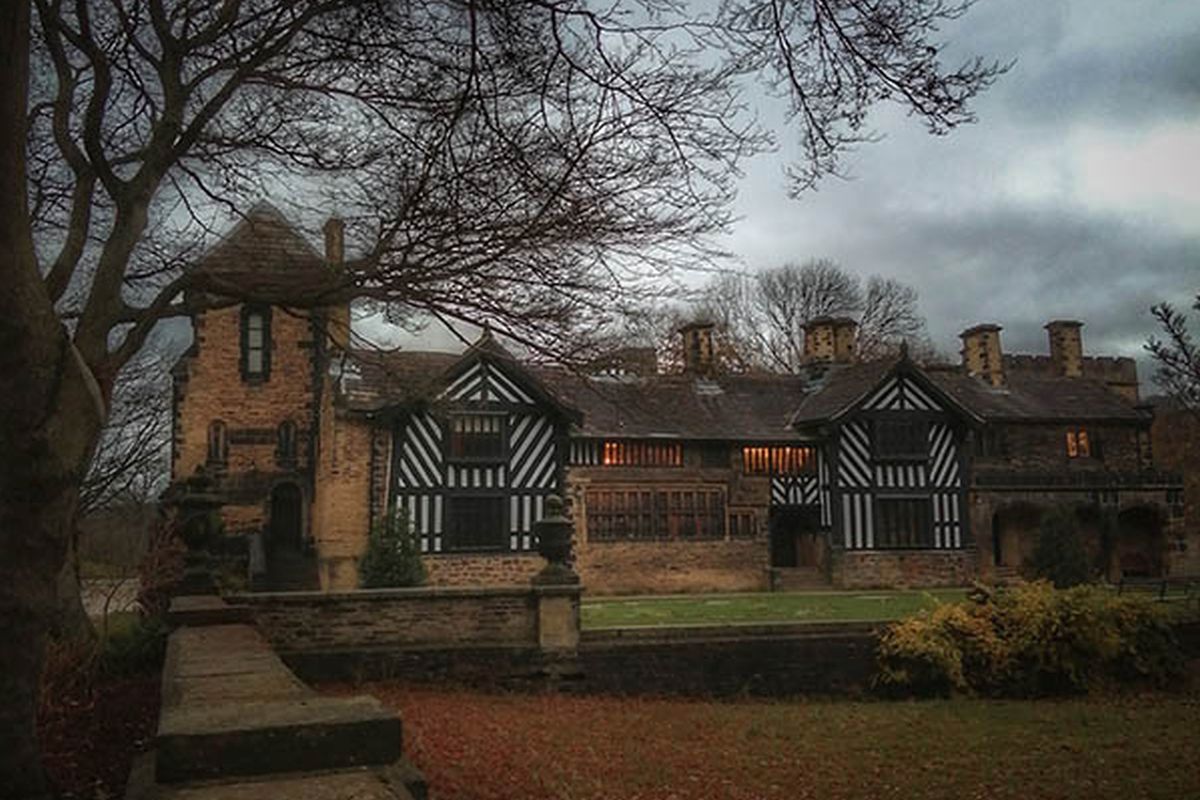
(393, 558)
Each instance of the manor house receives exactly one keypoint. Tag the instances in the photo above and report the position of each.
(850, 474)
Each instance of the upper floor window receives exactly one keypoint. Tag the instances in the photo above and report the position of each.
(256, 343)
(901, 439)
(477, 437)
(1079, 444)
(783, 460)
(634, 453)
(218, 443)
(285, 443)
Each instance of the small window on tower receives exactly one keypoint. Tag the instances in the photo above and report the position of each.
(256, 343)
(218, 443)
(285, 446)
(1079, 445)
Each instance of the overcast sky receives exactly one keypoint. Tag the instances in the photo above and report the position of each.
(1076, 195)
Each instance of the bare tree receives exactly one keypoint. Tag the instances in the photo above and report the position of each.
(763, 315)
(1177, 356)
(516, 163)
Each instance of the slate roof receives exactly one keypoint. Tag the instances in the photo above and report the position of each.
(265, 258)
(1027, 396)
(749, 407)
(729, 407)
(1035, 397)
(734, 407)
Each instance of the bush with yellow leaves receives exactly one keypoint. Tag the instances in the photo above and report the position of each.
(1029, 641)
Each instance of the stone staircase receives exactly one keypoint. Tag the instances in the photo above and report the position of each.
(1004, 576)
(237, 723)
(796, 579)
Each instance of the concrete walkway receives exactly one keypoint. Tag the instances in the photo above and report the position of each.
(236, 722)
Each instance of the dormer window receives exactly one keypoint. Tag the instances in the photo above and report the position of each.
(1079, 444)
(256, 344)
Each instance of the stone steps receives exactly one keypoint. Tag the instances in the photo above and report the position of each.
(237, 723)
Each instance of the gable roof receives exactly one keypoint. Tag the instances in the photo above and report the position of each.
(265, 258)
(375, 380)
(848, 388)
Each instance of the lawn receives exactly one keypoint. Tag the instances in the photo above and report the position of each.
(624, 612)
(476, 746)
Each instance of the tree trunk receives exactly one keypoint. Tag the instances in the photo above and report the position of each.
(51, 411)
(71, 620)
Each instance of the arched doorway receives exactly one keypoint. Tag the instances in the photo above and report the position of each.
(1014, 535)
(1138, 550)
(289, 566)
(287, 522)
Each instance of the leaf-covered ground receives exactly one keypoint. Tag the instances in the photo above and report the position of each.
(477, 746)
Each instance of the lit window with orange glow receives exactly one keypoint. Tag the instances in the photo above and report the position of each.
(1078, 443)
(784, 460)
(636, 453)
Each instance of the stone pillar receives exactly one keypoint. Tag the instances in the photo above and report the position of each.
(556, 587)
(1066, 346)
(981, 354)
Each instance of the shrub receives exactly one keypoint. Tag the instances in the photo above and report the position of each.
(1030, 641)
(136, 647)
(392, 558)
(1059, 555)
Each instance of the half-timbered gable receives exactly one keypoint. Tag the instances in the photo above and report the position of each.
(895, 442)
(475, 458)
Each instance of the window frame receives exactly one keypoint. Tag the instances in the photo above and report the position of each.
(453, 512)
(218, 443)
(641, 453)
(922, 540)
(878, 439)
(1080, 443)
(287, 448)
(657, 513)
(263, 374)
(776, 455)
(501, 454)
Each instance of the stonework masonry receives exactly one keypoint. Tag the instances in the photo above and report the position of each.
(866, 569)
(670, 567)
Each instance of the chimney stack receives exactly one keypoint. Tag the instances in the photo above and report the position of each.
(830, 340)
(981, 353)
(1066, 346)
(335, 242)
(337, 323)
(699, 357)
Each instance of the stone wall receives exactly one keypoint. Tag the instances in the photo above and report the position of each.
(1176, 442)
(298, 622)
(341, 508)
(851, 569)
(470, 569)
(777, 661)
(667, 567)
(1042, 448)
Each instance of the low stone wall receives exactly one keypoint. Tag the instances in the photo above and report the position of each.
(900, 568)
(476, 570)
(438, 632)
(671, 567)
(769, 660)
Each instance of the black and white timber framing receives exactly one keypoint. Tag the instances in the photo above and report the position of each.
(853, 477)
(427, 478)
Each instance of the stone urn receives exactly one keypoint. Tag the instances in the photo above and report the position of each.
(554, 531)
